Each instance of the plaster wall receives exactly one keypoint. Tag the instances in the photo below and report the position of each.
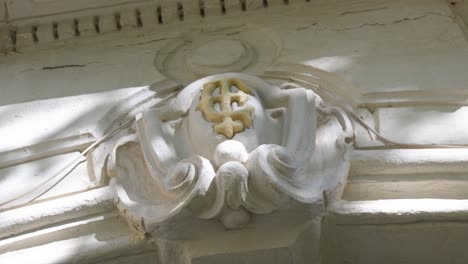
(394, 53)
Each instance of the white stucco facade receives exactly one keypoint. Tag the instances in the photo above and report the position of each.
(347, 142)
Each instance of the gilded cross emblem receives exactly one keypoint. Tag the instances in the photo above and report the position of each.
(230, 121)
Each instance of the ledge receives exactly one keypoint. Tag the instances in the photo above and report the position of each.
(408, 161)
(399, 211)
(41, 214)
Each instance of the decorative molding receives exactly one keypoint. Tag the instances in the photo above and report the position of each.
(296, 149)
(409, 161)
(399, 211)
(407, 174)
(28, 23)
(46, 149)
(237, 48)
(414, 98)
(71, 207)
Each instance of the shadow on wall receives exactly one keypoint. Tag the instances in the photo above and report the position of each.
(27, 124)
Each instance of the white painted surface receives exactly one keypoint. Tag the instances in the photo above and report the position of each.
(425, 125)
(378, 46)
(178, 157)
(397, 231)
(19, 180)
(38, 215)
(340, 28)
(40, 121)
(45, 149)
(409, 161)
(95, 240)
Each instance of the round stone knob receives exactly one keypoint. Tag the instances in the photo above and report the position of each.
(230, 150)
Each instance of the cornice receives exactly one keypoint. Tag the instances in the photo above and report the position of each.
(28, 23)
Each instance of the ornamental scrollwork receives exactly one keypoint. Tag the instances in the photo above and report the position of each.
(262, 147)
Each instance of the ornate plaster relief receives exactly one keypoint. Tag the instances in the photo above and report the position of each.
(291, 147)
(233, 48)
(162, 171)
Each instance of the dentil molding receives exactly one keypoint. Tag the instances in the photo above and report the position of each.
(27, 24)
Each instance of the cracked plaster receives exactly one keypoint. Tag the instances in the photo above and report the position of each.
(378, 46)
